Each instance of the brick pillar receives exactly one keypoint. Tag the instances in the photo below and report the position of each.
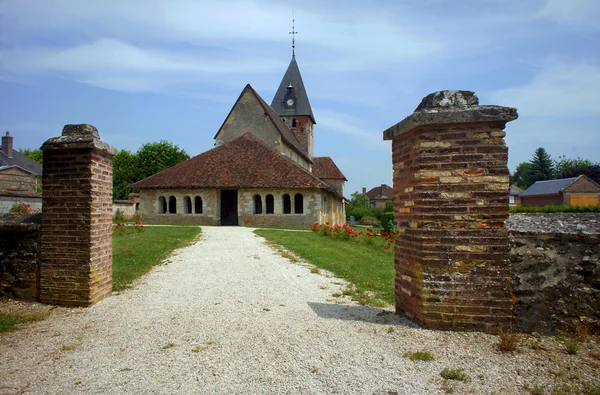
(76, 247)
(451, 201)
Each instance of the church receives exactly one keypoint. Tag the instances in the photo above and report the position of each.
(262, 171)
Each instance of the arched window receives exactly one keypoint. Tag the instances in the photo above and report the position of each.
(162, 205)
(257, 204)
(270, 204)
(187, 205)
(198, 205)
(172, 205)
(298, 204)
(287, 204)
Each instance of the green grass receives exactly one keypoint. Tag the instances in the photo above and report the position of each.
(370, 269)
(135, 253)
(455, 374)
(419, 356)
(11, 321)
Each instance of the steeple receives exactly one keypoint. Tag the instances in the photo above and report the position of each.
(291, 98)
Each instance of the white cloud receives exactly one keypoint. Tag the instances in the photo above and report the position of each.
(360, 134)
(579, 13)
(565, 90)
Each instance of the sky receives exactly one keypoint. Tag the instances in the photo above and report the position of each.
(149, 70)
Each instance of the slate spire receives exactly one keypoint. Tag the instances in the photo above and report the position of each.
(291, 98)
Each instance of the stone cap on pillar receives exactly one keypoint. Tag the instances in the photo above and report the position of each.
(451, 106)
(78, 136)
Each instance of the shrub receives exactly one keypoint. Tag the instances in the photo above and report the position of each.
(419, 356)
(572, 347)
(382, 240)
(556, 209)
(507, 341)
(455, 374)
(22, 208)
(387, 222)
(368, 220)
(119, 217)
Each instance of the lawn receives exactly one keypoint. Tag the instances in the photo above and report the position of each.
(134, 253)
(370, 269)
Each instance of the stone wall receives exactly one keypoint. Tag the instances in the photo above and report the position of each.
(555, 263)
(151, 212)
(19, 256)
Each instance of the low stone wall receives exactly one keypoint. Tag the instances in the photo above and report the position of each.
(555, 263)
(19, 256)
(8, 198)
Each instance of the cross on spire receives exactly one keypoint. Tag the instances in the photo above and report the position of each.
(293, 33)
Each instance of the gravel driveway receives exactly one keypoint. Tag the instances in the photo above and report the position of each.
(230, 315)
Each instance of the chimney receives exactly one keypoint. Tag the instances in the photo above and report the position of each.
(7, 145)
(364, 191)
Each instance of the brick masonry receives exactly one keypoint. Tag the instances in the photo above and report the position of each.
(76, 243)
(451, 187)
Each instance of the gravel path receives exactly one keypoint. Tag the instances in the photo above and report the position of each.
(230, 315)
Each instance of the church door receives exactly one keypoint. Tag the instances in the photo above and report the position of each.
(229, 207)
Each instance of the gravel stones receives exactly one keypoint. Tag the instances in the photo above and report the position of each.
(230, 315)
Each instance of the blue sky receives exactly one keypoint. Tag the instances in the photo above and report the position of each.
(146, 70)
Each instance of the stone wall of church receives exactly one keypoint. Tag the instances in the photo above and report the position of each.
(333, 209)
(311, 204)
(336, 184)
(151, 209)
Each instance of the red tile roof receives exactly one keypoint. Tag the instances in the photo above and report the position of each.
(286, 133)
(244, 162)
(381, 192)
(324, 167)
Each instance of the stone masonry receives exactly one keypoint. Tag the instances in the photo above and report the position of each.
(451, 186)
(76, 246)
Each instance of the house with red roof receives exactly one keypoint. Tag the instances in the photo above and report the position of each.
(262, 171)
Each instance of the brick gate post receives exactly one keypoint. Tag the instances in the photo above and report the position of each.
(76, 246)
(451, 186)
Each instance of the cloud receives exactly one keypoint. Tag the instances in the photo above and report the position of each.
(566, 90)
(353, 127)
(579, 13)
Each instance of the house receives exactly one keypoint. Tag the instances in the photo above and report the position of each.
(20, 177)
(378, 196)
(513, 196)
(262, 170)
(574, 191)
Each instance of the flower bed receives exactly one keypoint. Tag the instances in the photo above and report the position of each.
(382, 240)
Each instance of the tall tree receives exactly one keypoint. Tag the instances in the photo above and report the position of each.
(359, 206)
(542, 166)
(564, 164)
(155, 157)
(592, 171)
(146, 161)
(35, 154)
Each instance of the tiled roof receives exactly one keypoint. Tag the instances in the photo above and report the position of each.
(244, 162)
(548, 187)
(515, 190)
(292, 77)
(287, 135)
(381, 192)
(22, 161)
(324, 167)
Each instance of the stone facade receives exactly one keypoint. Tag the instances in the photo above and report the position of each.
(17, 179)
(8, 198)
(76, 243)
(451, 200)
(317, 206)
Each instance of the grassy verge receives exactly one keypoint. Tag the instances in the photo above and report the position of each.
(11, 321)
(370, 269)
(135, 253)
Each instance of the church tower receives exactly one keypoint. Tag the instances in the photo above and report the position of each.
(292, 105)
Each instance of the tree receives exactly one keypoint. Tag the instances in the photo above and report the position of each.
(542, 166)
(149, 159)
(359, 206)
(564, 164)
(389, 206)
(35, 154)
(155, 157)
(592, 171)
(125, 173)
(522, 176)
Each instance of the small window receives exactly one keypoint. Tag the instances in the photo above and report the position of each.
(172, 205)
(198, 205)
(294, 122)
(287, 204)
(162, 205)
(270, 204)
(298, 204)
(187, 205)
(257, 204)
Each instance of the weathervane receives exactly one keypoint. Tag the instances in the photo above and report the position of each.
(293, 33)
